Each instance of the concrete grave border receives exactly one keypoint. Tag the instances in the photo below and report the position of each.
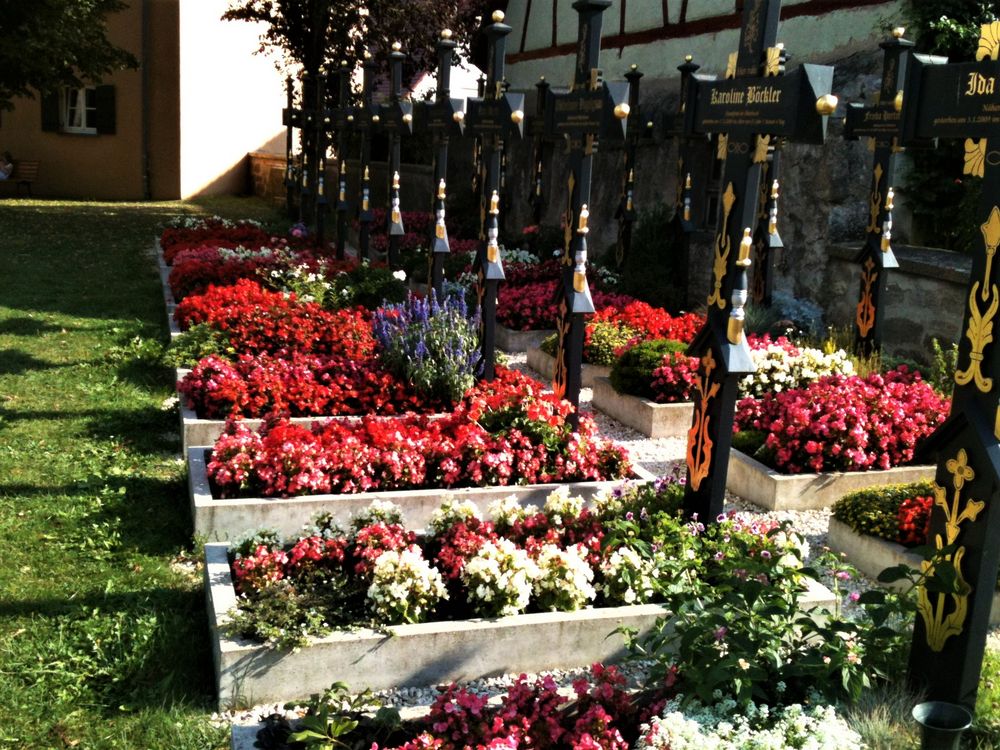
(520, 341)
(648, 417)
(545, 364)
(217, 519)
(416, 655)
(756, 483)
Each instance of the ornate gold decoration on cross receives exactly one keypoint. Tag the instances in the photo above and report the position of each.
(722, 247)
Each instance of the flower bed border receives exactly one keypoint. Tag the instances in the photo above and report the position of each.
(648, 417)
(169, 303)
(219, 519)
(871, 555)
(415, 655)
(545, 363)
(756, 483)
(520, 341)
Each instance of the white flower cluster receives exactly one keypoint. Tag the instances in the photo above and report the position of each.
(404, 587)
(726, 727)
(628, 577)
(200, 222)
(779, 371)
(606, 276)
(517, 255)
(450, 512)
(499, 579)
(559, 505)
(378, 511)
(506, 511)
(245, 253)
(565, 579)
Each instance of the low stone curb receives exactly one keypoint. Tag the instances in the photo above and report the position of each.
(219, 519)
(545, 364)
(872, 555)
(760, 485)
(520, 341)
(169, 303)
(648, 417)
(416, 655)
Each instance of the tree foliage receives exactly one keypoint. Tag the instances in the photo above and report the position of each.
(324, 32)
(53, 43)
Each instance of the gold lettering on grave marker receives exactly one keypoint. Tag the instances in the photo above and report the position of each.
(980, 85)
(941, 627)
(723, 245)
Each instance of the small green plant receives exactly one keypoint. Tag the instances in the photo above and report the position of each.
(332, 718)
(874, 511)
(943, 367)
(366, 286)
(633, 372)
(198, 342)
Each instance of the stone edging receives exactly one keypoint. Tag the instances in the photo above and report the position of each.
(416, 655)
(758, 484)
(519, 341)
(648, 417)
(872, 555)
(545, 364)
(217, 519)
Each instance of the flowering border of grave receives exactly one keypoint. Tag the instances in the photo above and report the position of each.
(221, 519)
(756, 483)
(545, 364)
(648, 417)
(417, 655)
(872, 555)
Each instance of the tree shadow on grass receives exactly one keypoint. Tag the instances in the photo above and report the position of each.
(149, 431)
(26, 327)
(138, 649)
(17, 362)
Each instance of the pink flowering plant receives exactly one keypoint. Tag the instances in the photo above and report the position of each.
(845, 423)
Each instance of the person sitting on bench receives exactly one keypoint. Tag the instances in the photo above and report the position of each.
(6, 165)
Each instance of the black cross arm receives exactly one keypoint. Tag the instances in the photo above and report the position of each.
(792, 106)
(446, 117)
(396, 117)
(960, 100)
(503, 116)
(602, 111)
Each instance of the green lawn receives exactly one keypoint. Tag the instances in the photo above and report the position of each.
(103, 637)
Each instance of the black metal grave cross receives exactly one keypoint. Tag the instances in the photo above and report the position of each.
(626, 212)
(494, 117)
(751, 107)
(962, 101)
(396, 118)
(444, 117)
(364, 118)
(592, 108)
(882, 125)
(342, 118)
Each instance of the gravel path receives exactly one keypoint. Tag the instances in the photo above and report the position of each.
(660, 456)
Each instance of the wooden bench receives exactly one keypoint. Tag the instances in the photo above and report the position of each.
(24, 175)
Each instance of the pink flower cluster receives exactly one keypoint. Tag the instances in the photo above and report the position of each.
(846, 423)
(534, 306)
(498, 435)
(211, 233)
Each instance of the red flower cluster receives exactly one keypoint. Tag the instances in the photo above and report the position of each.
(675, 380)
(257, 321)
(262, 567)
(213, 233)
(371, 541)
(914, 519)
(846, 423)
(197, 269)
(314, 554)
(494, 437)
(534, 306)
(459, 543)
(652, 322)
(535, 531)
(299, 385)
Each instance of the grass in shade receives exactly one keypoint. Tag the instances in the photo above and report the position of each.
(103, 634)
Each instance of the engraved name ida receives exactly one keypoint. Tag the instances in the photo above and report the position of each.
(980, 85)
(750, 95)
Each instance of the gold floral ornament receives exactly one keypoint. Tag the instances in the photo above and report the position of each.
(940, 627)
(989, 42)
(975, 157)
(722, 247)
(699, 454)
(980, 330)
(563, 325)
(875, 202)
(865, 317)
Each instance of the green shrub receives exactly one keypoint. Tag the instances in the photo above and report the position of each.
(605, 339)
(633, 372)
(874, 511)
(197, 342)
(367, 286)
(650, 271)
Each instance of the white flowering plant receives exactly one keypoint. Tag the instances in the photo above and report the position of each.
(378, 511)
(782, 366)
(628, 577)
(559, 506)
(565, 581)
(499, 578)
(727, 726)
(506, 511)
(404, 587)
(450, 512)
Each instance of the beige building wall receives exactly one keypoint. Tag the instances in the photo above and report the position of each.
(107, 167)
(231, 100)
